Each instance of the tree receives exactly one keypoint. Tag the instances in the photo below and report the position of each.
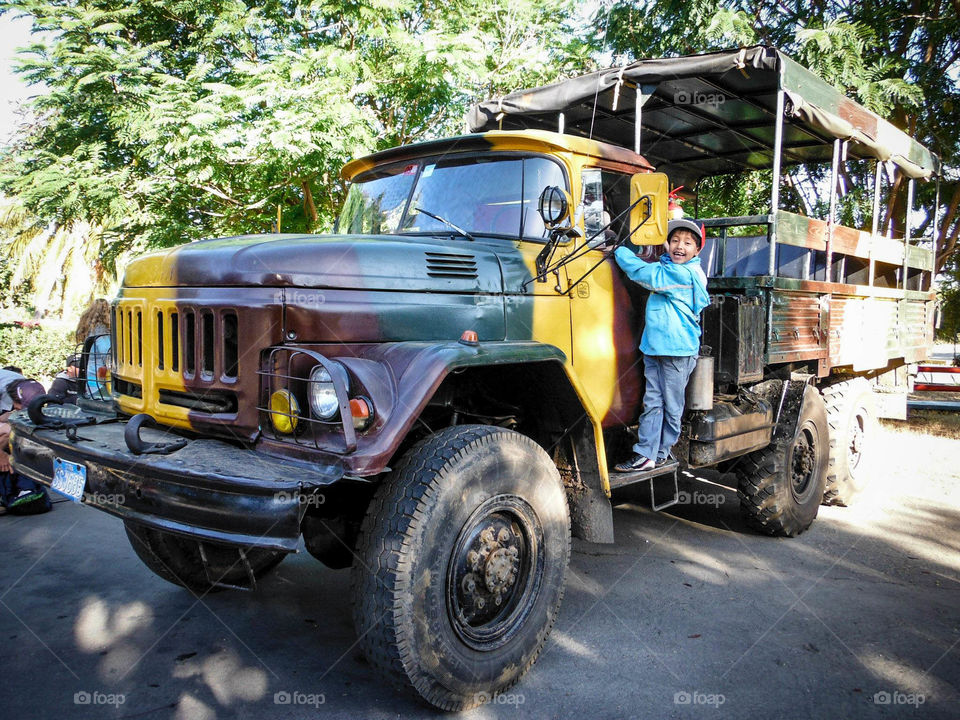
(171, 121)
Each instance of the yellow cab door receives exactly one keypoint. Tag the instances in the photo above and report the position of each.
(603, 318)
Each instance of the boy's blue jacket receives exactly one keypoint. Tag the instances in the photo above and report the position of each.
(677, 295)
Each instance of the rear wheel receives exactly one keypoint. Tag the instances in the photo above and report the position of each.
(178, 559)
(851, 414)
(780, 487)
(462, 563)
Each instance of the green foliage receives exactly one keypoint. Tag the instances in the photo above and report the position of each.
(39, 351)
(732, 195)
(172, 121)
(840, 51)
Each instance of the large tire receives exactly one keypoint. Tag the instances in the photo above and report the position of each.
(852, 416)
(177, 559)
(780, 487)
(462, 563)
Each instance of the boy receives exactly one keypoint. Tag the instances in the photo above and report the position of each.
(671, 337)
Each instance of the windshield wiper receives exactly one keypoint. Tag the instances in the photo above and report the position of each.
(460, 230)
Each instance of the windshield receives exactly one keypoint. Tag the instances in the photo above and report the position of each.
(484, 195)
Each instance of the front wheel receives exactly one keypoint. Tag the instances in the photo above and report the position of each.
(780, 487)
(462, 563)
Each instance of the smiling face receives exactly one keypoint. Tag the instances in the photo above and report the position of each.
(683, 246)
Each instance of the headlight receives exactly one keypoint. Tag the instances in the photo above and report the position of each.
(322, 394)
(284, 410)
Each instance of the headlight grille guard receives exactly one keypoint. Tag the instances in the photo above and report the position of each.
(288, 368)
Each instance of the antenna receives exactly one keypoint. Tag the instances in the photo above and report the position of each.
(596, 92)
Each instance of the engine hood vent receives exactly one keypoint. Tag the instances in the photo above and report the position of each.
(451, 265)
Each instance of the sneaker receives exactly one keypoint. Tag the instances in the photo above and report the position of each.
(636, 464)
(666, 460)
(26, 496)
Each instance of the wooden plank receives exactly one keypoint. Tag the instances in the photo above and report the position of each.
(815, 286)
(801, 231)
(796, 332)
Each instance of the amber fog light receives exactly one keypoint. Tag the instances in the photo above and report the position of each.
(284, 412)
(362, 411)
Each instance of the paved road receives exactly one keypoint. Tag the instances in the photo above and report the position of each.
(689, 615)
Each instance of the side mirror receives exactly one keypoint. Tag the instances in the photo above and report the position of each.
(554, 206)
(654, 188)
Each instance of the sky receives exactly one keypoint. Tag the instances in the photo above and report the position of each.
(14, 32)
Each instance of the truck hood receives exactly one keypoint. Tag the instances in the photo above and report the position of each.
(374, 262)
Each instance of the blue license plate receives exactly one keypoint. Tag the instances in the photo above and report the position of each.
(69, 479)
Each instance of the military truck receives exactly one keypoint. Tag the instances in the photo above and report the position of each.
(434, 394)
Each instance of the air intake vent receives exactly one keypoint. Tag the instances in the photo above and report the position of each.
(451, 265)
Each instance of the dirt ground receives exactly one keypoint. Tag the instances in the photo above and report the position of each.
(689, 614)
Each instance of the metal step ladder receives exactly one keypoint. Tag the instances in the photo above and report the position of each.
(663, 477)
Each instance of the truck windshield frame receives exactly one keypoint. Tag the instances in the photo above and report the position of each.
(490, 194)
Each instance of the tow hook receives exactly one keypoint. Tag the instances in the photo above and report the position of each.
(63, 419)
(131, 436)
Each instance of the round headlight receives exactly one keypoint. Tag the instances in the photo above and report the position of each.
(322, 393)
(284, 410)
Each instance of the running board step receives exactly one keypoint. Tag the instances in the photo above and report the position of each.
(663, 477)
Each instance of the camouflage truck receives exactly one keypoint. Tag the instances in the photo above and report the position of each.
(435, 393)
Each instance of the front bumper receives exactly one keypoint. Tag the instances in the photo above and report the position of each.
(209, 490)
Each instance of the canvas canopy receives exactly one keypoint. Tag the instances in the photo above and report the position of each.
(710, 114)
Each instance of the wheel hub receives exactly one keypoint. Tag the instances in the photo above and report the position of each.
(494, 568)
(856, 444)
(804, 462)
(492, 562)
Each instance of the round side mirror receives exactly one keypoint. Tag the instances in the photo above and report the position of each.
(554, 206)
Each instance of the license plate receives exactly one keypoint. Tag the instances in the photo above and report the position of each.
(69, 479)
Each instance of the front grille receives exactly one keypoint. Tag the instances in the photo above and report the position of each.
(208, 401)
(174, 355)
(190, 342)
(125, 387)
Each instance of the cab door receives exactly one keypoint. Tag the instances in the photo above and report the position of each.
(605, 320)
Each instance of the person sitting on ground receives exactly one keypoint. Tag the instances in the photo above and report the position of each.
(65, 385)
(671, 338)
(18, 494)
